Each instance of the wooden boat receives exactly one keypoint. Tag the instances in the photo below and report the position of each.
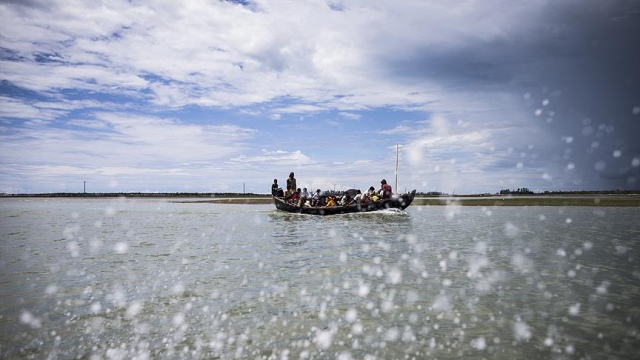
(396, 202)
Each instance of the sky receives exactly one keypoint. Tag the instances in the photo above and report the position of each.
(224, 96)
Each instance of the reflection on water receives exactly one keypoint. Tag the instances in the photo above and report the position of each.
(295, 229)
(148, 279)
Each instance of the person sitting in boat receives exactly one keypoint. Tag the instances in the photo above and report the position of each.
(303, 197)
(295, 197)
(345, 200)
(357, 199)
(331, 201)
(275, 188)
(385, 190)
(367, 197)
(315, 200)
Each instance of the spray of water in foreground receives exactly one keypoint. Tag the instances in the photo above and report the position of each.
(147, 279)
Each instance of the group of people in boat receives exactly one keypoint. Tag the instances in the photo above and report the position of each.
(301, 197)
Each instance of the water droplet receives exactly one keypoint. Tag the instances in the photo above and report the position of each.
(443, 265)
(511, 230)
(363, 290)
(134, 309)
(602, 288)
(394, 276)
(587, 130)
(96, 307)
(29, 319)
(574, 309)
(479, 343)
(521, 331)
(351, 315)
(121, 247)
(178, 319)
(323, 339)
(392, 334)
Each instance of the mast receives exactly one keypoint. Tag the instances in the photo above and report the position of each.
(396, 184)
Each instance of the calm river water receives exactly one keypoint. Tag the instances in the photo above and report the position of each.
(148, 278)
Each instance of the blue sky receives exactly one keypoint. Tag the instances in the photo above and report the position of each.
(217, 96)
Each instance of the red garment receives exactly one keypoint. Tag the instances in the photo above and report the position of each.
(386, 191)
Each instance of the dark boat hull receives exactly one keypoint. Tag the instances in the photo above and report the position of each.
(400, 202)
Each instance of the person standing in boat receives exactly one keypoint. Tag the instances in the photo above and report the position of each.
(385, 190)
(291, 184)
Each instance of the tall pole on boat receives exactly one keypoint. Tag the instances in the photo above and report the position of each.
(396, 185)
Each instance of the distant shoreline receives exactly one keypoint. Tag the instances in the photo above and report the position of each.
(136, 195)
(543, 200)
(566, 199)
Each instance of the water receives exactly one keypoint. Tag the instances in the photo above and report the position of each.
(120, 279)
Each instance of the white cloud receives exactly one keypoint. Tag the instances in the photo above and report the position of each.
(213, 53)
(298, 109)
(273, 158)
(348, 115)
(17, 109)
(47, 170)
(119, 139)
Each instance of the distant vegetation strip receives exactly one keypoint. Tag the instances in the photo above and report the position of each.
(530, 201)
(241, 201)
(143, 194)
